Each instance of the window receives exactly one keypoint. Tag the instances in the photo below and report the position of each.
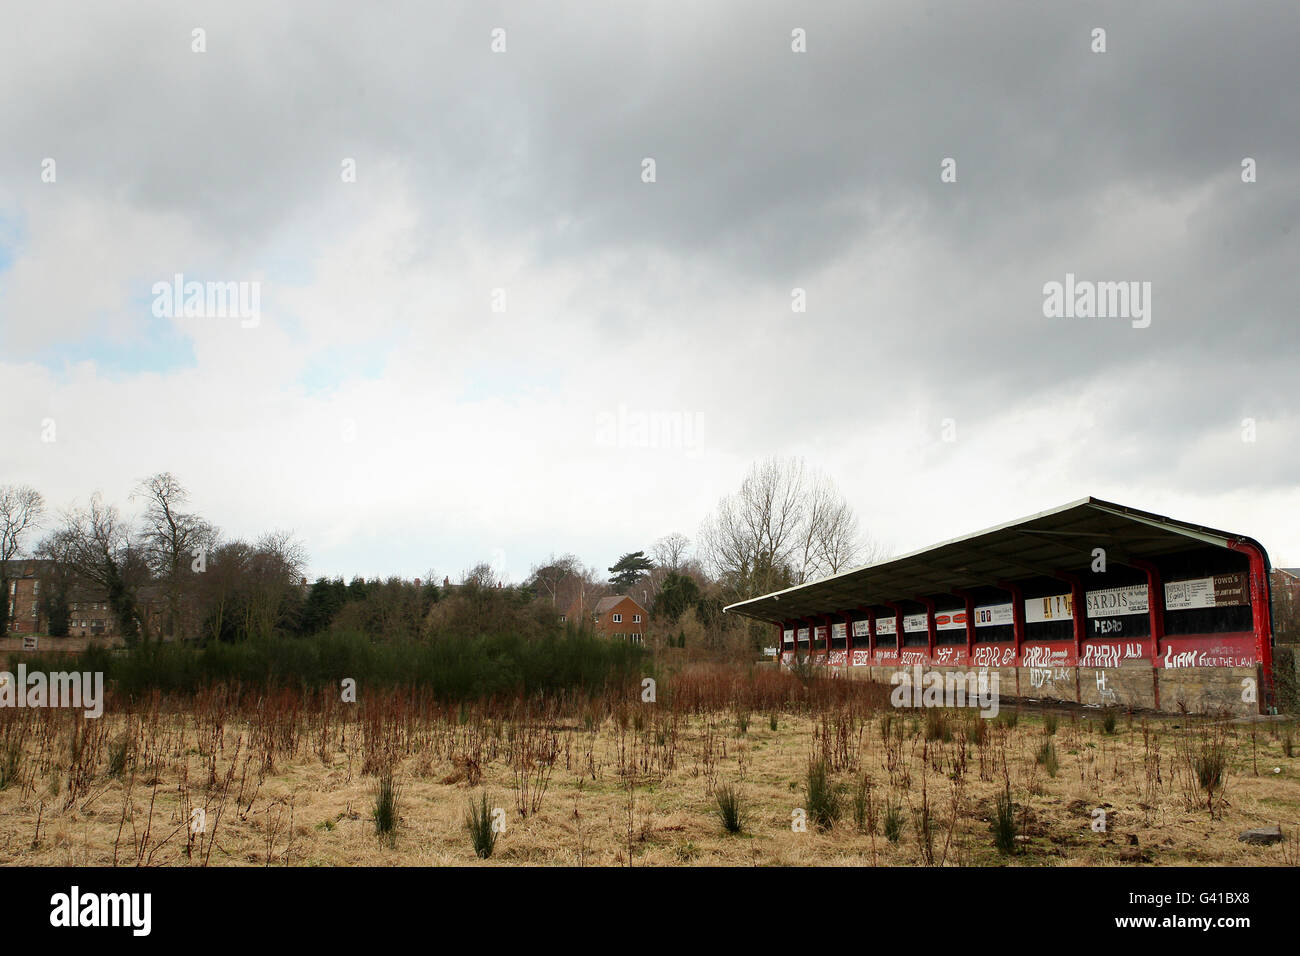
(617, 618)
(636, 618)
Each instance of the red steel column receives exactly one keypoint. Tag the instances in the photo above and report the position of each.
(898, 626)
(1155, 604)
(931, 629)
(848, 638)
(871, 629)
(1156, 611)
(1078, 611)
(1017, 614)
(1261, 615)
(970, 621)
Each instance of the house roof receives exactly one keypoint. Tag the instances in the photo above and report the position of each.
(26, 567)
(1041, 544)
(607, 603)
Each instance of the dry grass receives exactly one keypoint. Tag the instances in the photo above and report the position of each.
(287, 780)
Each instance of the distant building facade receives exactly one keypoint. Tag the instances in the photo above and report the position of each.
(620, 618)
(24, 597)
(1285, 585)
(89, 613)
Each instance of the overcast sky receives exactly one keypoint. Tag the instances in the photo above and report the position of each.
(379, 407)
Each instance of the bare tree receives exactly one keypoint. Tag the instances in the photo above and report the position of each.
(21, 510)
(172, 540)
(222, 586)
(832, 539)
(481, 575)
(839, 541)
(751, 541)
(554, 578)
(99, 547)
(819, 499)
(274, 569)
(670, 550)
(786, 525)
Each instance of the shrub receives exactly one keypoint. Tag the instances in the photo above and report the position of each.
(1046, 758)
(807, 668)
(1286, 680)
(864, 808)
(1049, 724)
(117, 753)
(386, 794)
(893, 822)
(1004, 823)
(1210, 762)
(728, 807)
(822, 799)
(936, 725)
(478, 821)
(1108, 720)
(453, 667)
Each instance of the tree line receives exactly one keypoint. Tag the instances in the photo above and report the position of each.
(170, 573)
(167, 572)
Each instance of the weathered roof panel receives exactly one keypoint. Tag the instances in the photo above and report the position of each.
(1042, 544)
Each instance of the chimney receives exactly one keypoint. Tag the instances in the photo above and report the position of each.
(417, 582)
(446, 582)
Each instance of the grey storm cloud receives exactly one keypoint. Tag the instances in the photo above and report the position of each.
(774, 171)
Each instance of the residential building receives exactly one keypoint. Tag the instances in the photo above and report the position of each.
(621, 618)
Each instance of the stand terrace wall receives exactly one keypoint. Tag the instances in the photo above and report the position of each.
(1179, 636)
(1193, 674)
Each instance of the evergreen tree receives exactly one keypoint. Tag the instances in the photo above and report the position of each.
(627, 570)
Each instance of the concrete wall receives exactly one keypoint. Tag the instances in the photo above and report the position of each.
(71, 644)
(1132, 684)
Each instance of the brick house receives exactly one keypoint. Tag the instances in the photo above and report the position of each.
(620, 617)
(24, 597)
(89, 614)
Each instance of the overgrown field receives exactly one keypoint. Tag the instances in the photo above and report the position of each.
(231, 777)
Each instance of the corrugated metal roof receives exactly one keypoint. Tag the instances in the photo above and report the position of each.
(1059, 539)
